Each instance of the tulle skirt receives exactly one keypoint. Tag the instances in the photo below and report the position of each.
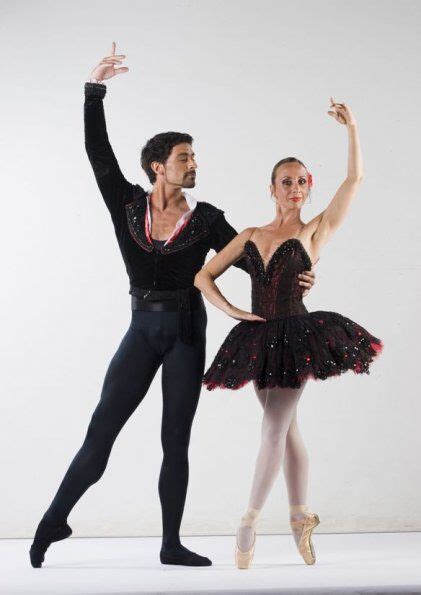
(286, 351)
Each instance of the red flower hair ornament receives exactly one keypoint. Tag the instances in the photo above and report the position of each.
(309, 180)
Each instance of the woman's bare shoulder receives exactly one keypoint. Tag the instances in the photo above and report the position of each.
(307, 238)
(262, 230)
(246, 233)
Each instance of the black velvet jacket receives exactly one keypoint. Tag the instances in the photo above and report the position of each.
(173, 266)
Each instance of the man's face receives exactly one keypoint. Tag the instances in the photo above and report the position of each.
(180, 167)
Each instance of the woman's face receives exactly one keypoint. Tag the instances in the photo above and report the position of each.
(290, 188)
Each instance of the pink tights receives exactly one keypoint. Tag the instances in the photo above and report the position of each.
(281, 443)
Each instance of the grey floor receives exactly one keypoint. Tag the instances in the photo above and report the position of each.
(372, 563)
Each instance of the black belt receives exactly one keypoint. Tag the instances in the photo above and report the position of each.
(174, 300)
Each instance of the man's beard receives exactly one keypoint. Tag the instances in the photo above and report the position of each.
(189, 181)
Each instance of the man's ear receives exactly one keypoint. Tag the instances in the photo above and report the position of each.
(157, 167)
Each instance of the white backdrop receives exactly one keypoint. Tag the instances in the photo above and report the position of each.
(251, 82)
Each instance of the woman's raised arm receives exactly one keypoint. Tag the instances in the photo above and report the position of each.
(333, 216)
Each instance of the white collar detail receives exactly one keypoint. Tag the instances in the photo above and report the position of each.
(182, 221)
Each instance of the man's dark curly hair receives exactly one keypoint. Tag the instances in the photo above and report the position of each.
(159, 147)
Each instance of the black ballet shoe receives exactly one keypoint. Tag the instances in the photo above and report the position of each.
(44, 537)
(181, 556)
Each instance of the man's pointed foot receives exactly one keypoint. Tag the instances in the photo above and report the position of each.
(45, 535)
(181, 556)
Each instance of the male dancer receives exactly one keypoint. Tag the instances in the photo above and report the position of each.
(164, 237)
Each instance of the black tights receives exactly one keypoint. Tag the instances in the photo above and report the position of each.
(151, 340)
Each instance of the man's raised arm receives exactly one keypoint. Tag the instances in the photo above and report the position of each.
(112, 184)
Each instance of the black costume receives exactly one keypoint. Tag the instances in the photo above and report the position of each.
(292, 344)
(168, 328)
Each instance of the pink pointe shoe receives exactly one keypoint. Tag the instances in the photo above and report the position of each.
(302, 530)
(243, 559)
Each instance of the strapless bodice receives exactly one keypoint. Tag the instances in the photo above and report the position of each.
(276, 292)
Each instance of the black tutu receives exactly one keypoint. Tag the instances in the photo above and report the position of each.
(293, 344)
(286, 351)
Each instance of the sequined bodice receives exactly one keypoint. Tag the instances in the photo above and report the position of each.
(276, 292)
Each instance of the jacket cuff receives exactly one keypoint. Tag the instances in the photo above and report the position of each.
(95, 90)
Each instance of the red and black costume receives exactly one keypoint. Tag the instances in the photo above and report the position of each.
(293, 344)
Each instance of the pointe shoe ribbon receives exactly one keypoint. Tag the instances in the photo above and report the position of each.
(305, 546)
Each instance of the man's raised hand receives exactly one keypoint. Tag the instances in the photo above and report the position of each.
(106, 69)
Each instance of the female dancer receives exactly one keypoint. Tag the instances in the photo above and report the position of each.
(280, 344)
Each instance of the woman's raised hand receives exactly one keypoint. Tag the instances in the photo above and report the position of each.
(106, 69)
(243, 315)
(341, 113)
